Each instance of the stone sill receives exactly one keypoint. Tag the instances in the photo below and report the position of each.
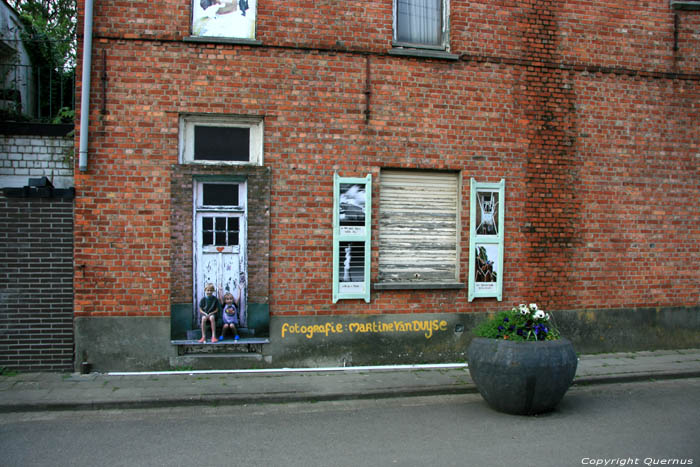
(423, 53)
(221, 40)
(418, 285)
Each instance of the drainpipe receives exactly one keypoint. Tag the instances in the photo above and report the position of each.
(85, 89)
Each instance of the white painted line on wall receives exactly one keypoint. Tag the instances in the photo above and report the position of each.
(437, 366)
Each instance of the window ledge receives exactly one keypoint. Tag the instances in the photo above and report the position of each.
(417, 285)
(685, 5)
(423, 53)
(222, 40)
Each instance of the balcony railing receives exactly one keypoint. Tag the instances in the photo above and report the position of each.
(36, 93)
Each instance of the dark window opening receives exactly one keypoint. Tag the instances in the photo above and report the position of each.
(221, 143)
(219, 194)
(220, 231)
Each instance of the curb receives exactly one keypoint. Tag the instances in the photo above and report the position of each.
(281, 398)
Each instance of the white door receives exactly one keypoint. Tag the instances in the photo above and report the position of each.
(220, 253)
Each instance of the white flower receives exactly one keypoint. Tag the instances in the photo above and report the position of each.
(523, 309)
(539, 314)
(533, 306)
(546, 316)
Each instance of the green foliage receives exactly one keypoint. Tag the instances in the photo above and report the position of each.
(520, 323)
(7, 372)
(50, 31)
(49, 37)
(64, 115)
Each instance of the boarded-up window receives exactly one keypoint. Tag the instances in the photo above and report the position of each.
(418, 233)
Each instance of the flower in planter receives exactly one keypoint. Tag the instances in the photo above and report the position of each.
(520, 323)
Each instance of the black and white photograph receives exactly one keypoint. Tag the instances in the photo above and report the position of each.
(351, 216)
(487, 213)
(351, 267)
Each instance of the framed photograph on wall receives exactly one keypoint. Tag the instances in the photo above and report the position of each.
(486, 214)
(352, 207)
(233, 19)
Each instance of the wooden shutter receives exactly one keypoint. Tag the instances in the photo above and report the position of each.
(418, 233)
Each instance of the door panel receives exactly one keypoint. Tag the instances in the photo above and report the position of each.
(219, 255)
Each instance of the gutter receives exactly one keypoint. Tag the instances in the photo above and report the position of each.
(85, 88)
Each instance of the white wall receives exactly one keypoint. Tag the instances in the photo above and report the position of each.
(24, 157)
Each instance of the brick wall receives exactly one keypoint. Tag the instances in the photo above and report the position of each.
(586, 110)
(25, 156)
(36, 284)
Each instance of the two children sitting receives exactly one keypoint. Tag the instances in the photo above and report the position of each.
(209, 306)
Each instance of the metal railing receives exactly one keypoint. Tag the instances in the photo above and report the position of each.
(36, 93)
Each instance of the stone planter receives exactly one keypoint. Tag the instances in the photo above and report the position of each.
(522, 378)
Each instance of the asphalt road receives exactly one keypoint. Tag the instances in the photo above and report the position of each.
(650, 423)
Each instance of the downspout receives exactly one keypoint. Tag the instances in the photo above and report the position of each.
(85, 88)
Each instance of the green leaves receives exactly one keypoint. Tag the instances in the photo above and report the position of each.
(50, 31)
(521, 323)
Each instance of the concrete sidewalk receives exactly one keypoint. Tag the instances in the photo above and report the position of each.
(55, 391)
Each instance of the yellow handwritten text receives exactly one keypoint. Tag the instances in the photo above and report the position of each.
(428, 328)
(312, 329)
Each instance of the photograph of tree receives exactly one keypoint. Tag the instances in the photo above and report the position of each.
(486, 263)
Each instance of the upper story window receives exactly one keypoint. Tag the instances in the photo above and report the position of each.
(231, 19)
(213, 139)
(421, 23)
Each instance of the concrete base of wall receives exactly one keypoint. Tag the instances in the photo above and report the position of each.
(123, 344)
(133, 344)
(631, 329)
(402, 339)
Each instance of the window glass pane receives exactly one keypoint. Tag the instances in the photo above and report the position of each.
(419, 21)
(220, 224)
(233, 238)
(219, 194)
(220, 238)
(207, 223)
(207, 238)
(221, 143)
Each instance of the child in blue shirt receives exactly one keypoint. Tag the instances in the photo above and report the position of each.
(231, 315)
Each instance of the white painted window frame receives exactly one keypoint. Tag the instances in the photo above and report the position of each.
(411, 45)
(359, 235)
(493, 241)
(188, 123)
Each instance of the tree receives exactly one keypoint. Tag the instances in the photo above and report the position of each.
(50, 40)
(52, 24)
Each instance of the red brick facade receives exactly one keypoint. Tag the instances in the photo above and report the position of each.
(589, 110)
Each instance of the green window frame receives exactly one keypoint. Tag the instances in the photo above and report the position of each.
(486, 233)
(352, 221)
